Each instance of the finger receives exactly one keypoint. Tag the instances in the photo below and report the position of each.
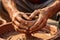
(40, 19)
(34, 14)
(20, 20)
(43, 24)
(19, 25)
(18, 29)
(24, 15)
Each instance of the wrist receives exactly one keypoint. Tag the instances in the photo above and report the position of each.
(45, 13)
(52, 9)
(58, 0)
(58, 4)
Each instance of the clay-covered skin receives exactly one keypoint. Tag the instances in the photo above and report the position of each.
(22, 22)
(27, 23)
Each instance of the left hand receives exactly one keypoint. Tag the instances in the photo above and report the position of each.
(18, 22)
(41, 22)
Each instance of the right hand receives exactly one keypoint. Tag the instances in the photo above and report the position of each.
(41, 21)
(18, 21)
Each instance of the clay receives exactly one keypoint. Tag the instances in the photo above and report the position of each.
(48, 32)
(45, 33)
(9, 34)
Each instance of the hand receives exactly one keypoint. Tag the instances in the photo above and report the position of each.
(18, 21)
(41, 22)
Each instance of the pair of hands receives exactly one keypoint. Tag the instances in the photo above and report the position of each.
(21, 25)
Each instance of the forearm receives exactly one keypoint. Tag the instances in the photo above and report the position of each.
(9, 6)
(53, 9)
